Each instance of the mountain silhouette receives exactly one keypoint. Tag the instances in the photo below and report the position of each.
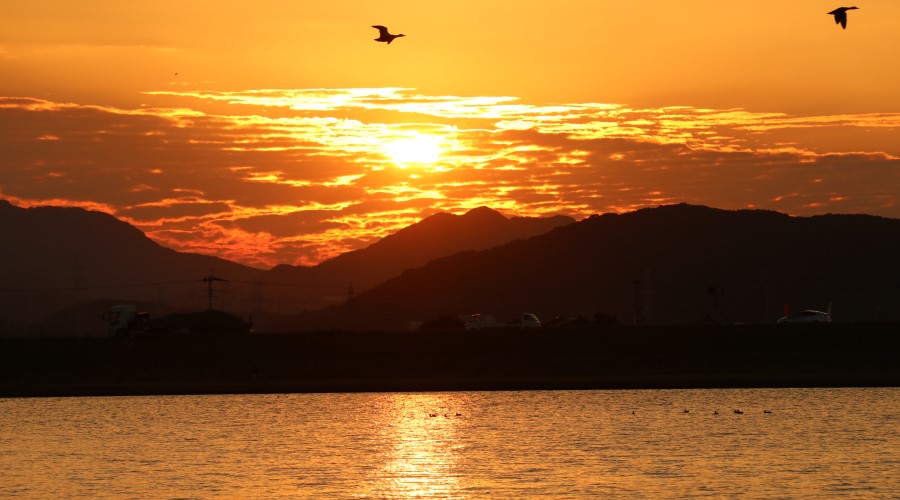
(54, 257)
(676, 264)
(438, 235)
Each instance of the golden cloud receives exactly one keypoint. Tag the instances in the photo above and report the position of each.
(297, 176)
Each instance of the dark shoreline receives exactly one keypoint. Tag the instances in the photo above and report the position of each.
(737, 356)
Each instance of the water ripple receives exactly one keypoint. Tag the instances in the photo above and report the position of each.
(558, 444)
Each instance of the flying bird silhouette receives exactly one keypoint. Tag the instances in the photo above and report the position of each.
(840, 15)
(384, 36)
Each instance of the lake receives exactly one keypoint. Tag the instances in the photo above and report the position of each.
(786, 443)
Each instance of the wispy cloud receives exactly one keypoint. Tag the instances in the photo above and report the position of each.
(297, 176)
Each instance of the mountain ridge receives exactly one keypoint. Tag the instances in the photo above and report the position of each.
(675, 264)
(433, 237)
(54, 257)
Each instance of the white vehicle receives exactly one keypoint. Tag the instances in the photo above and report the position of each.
(807, 316)
(125, 321)
(485, 321)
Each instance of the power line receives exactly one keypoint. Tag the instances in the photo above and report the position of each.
(94, 287)
(165, 283)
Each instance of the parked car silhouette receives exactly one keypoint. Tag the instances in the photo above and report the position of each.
(807, 316)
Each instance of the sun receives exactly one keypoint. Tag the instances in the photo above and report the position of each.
(420, 149)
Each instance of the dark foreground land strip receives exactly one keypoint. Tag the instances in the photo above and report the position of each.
(832, 355)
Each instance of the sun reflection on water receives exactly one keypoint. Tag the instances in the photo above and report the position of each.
(420, 434)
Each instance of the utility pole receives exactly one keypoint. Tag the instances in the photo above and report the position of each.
(256, 303)
(257, 300)
(638, 303)
(350, 299)
(77, 276)
(647, 304)
(209, 282)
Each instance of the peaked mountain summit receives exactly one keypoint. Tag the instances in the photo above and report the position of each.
(676, 264)
(435, 236)
(52, 258)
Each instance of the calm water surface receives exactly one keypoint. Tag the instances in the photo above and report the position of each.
(815, 443)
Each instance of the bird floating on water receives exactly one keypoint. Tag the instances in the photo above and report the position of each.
(840, 15)
(384, 36)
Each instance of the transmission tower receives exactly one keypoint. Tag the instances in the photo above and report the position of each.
(209, 283)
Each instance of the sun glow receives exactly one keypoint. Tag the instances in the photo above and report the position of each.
(418, 149)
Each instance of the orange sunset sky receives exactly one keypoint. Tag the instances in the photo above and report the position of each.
(271, 132)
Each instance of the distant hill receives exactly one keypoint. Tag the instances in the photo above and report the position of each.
(435, 236)
(53, 257)
(677, 264)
